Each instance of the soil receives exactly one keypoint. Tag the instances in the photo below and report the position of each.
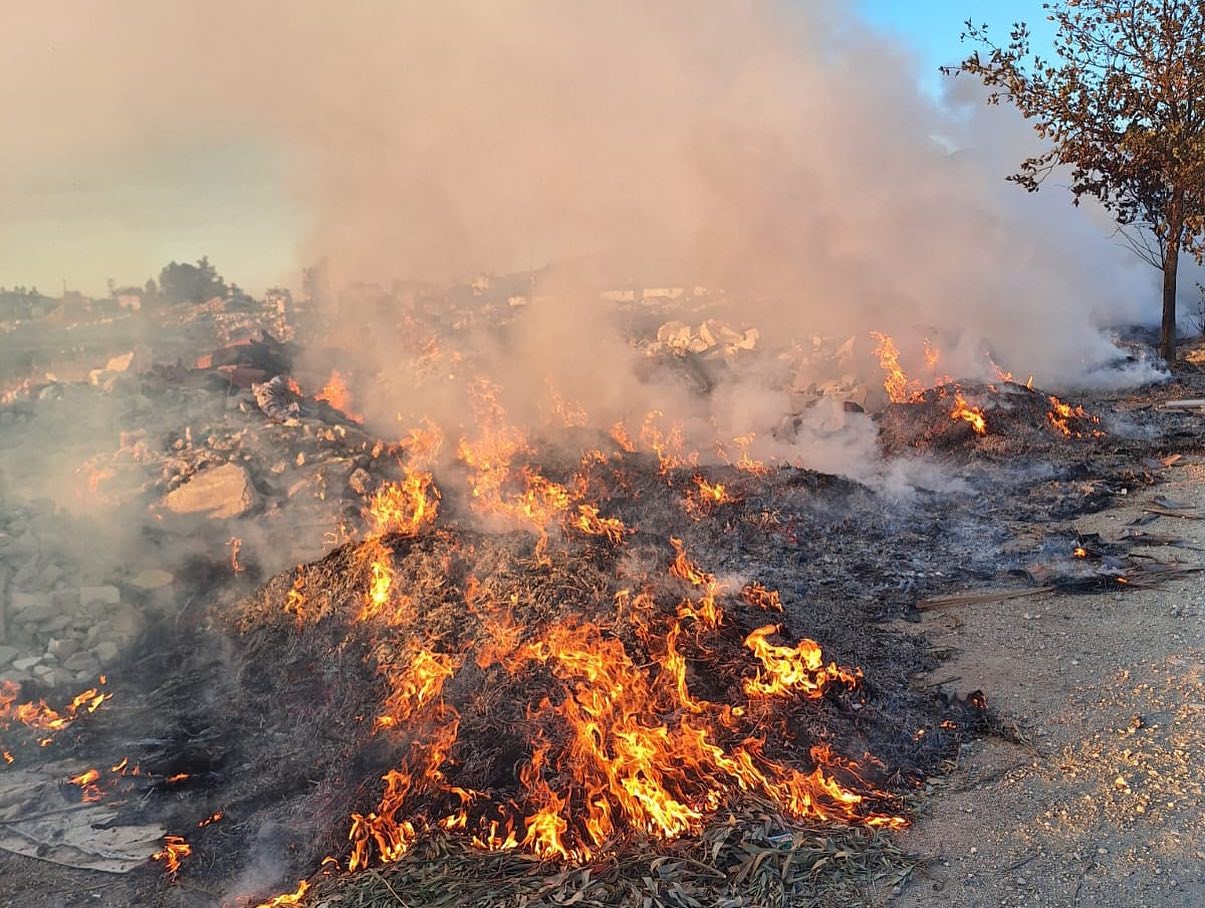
(1103, 802)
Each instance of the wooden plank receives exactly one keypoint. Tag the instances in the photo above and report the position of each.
(936, 602)
(1192, 404)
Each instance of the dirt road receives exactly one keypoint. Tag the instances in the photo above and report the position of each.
(1103, 805)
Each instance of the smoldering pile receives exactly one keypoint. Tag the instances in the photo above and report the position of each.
(1002, 418)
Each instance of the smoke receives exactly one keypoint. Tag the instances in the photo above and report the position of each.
(781, 151)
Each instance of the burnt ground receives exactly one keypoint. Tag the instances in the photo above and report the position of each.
(269, 723)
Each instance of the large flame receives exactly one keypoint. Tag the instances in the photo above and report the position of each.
(968, 413)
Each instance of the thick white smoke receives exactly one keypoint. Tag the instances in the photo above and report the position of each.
(780, 150)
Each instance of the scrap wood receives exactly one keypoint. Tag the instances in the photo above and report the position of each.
(936, 602)
(1189, 404)
(1168, 512)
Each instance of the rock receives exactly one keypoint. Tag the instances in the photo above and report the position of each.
(66, 599)
(54, 625)
(63, 648)
(8, 654)
(35, 614)
(360, 481)
(107, 594)
(23, 602)
(120, 363)
(50, 575)
(24, 665)
(126, 622)
(107, 652)
(82, 661)
(220, 492)
(151, 579)
(15, 676)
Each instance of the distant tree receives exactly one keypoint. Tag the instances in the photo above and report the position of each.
(150, 290)
(1123, 107)
(184, 283)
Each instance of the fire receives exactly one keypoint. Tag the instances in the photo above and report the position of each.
(615, 746)
(757, 595)
(669, 445)
(420, 682)
(786, 670)
(900, 389)
(175, 848)
(1060, 413)
(40, 717)
(403, 507)
(1080, 552)
(619, 434)
(712, 492)
(744, 462)
(288, 898)
(590, 523)
(235, 545)
(973, 415)
(336, 393)
(86, 781)
(295, 600)
(211, 819)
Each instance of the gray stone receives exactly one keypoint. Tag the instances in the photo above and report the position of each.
(82, 661)
(15, 676)
(108, 594)
(20, 601)
(51, 574)
(54, 625)
(66, 599)
(8, 654)
(151, 579)
(63, 648)
(126, 622)
(25, 664)
(107, 652)
(220, 492)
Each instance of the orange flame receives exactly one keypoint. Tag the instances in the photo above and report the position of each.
(336, 393)
(973, 415)
(288, 898)
(900, 389)
(1060, 414)
(757, 595)
(41, 717)
(403, 507)
(175, 848)
(786, 670)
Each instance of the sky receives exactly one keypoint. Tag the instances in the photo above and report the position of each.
(78, 214)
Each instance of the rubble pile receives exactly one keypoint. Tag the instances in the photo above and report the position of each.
(64, 621)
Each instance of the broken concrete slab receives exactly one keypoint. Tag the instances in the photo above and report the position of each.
(220, 492)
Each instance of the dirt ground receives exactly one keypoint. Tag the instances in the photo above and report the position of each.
(1103, 804)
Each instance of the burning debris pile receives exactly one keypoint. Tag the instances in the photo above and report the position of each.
(1003, 418)
(574, 688)
(580, 647)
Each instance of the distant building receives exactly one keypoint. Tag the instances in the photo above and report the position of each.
(129, 299)
(73, 304)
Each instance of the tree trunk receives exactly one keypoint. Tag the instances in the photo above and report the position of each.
(1167, 338)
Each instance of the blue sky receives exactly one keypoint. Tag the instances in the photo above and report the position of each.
(932, 27)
